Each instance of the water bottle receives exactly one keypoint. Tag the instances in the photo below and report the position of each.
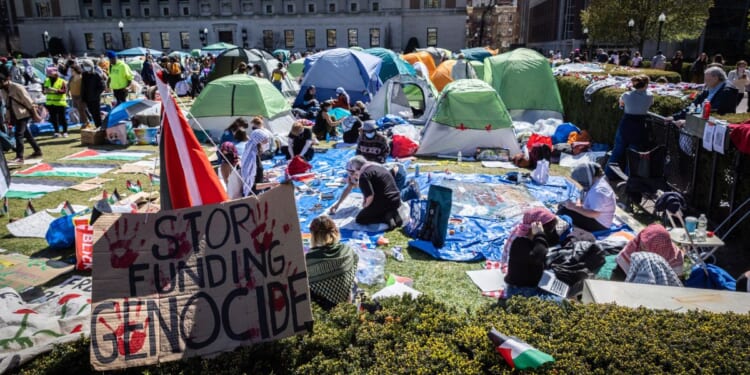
(700, 230)
(460, 157)
(416, 170)
(691, 109)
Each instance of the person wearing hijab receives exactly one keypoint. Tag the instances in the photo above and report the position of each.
(653, 239)
(331, 264)
(342, 99)
(653, 269)
(599, 201)
(252, 169)
(526, 251)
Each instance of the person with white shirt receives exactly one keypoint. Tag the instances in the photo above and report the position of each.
(739, 79)
(599, 202)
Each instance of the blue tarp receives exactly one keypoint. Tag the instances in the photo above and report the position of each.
(357, 72)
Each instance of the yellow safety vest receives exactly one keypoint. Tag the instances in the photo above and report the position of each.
(55, 99)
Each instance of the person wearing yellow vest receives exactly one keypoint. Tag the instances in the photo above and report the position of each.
(120, 77)
(56, 89)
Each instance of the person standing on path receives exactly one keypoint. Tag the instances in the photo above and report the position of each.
(120, 77)
(56, 89)
(20, 111)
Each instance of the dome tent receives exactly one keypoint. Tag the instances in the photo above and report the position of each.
(468, 114)
(402, 93)
(524, 80)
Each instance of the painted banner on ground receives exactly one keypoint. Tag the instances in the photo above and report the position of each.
(29, 329)
(197, 281)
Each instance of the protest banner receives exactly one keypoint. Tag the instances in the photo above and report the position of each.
(197, 281)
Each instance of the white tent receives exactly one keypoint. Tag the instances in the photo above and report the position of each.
(402, 93)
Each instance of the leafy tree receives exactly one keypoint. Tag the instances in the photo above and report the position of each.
(607, 20)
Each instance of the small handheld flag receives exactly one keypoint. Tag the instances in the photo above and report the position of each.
(140, 187)
(67, 209)
(29, 209)
(115, 197)
(154, 179)
(135, 188)
(105, 195)
(517, 353)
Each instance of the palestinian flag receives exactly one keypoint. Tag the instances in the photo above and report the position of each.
(65, 170)
(29, 209)
(135, 188)
(517, 353)
(91, 154)
(67, 209)
(154, 179)
(115, 197)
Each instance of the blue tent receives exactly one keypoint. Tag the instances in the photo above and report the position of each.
(393, 65)
(476, 53)
(357, 72)
(139, 51)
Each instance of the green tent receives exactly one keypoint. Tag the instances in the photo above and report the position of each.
(217, 47)
(239, 95)
(478, 68)
(135, 65)
(393, 64)
(295, 67)
(524, 80)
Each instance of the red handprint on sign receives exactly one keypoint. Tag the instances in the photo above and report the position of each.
(263, 233)
(137, 337)
(120, 240)
(183, 246)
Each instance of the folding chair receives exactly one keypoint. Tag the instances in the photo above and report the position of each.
(645, 177)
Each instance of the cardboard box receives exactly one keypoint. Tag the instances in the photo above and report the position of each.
(93, 137)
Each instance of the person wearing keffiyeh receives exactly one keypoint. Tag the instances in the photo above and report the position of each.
(331, 265)
(654, 239)
(252, 169)
(653, 269)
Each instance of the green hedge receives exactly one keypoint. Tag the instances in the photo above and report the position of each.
(426, 337)
(601, 116)
(653, 74)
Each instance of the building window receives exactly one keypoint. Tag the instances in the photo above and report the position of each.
(185, 10)
(431, 4)
(374, 38)
(107, 40)
(269, 8)
(127, 42)
(43, 9)
(354, 7)
(165, 11)
(164, 40)
(108, 12)
(352, 37)
(226, 8)
(146, 12)
(375, 6)
(267, 39)
(311, 8)
(247, 7)
(331, 37)
(89, 12)
(185, 40)
(90, 45)
(205, 8)
(432, 36)
(146, 39)
(289, 39)
(310, 38)
(331, 7)
(290, 8)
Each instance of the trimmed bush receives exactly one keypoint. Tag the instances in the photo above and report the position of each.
(426, 337)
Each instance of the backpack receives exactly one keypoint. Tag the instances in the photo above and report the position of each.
(174, 68)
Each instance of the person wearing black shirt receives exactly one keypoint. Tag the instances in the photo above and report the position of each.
(382, 197)
(309, 101)
(300, 142)
(371, 144)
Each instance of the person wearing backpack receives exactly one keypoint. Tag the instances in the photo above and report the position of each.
(174, 71)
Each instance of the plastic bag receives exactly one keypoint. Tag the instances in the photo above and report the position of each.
(403, 146)
(371, 266)
(61, 233)
(540, 175)
(298, 165)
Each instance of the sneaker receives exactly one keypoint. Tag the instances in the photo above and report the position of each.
(65, 135)
(17, 161)
(35, 155)
(57, 135)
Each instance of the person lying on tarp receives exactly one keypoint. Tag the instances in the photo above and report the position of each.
(526, 251)
(382, 197)
(331, 265)
(597, 212)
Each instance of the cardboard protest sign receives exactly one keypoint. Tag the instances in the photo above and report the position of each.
(20, 272)
(197, 281)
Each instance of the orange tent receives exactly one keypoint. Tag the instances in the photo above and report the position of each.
(451, 70)
(423, 57)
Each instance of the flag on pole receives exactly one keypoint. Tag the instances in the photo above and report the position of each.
(67, 209)
(154, 179)
(134, 187)
(105, 195)
(115, 197)
(517, 353)
(189, 179)
(29, 209)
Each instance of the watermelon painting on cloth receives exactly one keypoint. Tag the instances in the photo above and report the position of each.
(517, 353)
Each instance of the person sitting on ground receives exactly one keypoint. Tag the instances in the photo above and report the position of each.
(240, 140)
(632, 131)
(309, 101)
(324, 123)
(252, 168)
(351, 126)
(526, 250)
(722, 96)
(256, 123)
(382, 198)
(230, 160)
(300, 142)
(599, 203)
(342, 99)
(372, 144)
(364, 115)
(257, 71)
(241, 69)
(331, 264)
(654, 239)
(228, 134)
(653, 269)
